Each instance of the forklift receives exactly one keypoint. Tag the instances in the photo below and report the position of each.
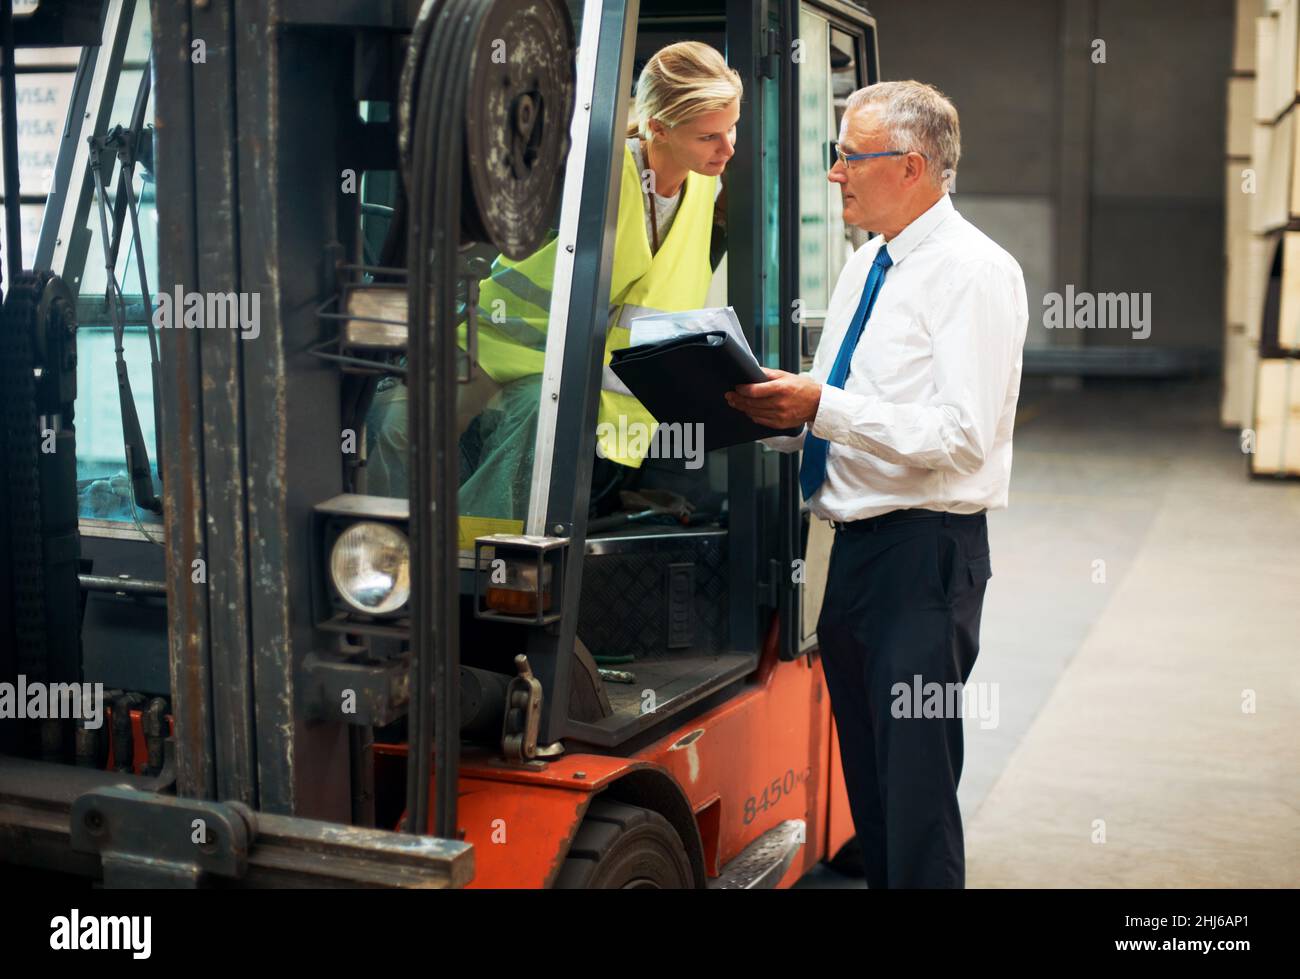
(268, 221)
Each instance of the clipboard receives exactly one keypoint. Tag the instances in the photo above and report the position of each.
(683, 380)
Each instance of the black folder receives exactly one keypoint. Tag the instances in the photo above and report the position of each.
(683, 380)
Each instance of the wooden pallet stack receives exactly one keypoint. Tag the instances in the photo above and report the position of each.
(1262, 237)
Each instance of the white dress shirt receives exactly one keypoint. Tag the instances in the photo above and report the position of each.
(926, 415)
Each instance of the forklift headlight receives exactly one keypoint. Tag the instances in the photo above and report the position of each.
(370, 567)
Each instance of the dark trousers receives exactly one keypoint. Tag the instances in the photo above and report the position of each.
(902, 610)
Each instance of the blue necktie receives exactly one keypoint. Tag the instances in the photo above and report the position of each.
(812, 471)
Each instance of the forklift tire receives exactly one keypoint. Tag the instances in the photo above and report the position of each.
(622, 846)
(848, 861)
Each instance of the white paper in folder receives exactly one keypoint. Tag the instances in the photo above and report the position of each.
(655, 327)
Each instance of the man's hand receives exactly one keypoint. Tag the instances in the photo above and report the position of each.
(783, 401)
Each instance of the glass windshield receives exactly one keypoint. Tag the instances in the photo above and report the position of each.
(498, 407)
(103, 489)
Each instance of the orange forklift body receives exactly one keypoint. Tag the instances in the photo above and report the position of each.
(768, 754)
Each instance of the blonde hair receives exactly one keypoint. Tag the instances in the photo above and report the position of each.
(680, 82)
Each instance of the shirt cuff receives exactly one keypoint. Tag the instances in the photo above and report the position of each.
(786, 443)
(834, 416)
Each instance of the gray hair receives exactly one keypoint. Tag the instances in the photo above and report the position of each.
(918, 117)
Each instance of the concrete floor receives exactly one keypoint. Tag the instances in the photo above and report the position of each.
(1143, 588)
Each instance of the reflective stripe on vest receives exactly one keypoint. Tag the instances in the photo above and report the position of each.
(514, 300)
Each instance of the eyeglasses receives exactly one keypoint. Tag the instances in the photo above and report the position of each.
(838, 154)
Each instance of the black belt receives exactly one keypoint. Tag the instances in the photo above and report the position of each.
(904, 516)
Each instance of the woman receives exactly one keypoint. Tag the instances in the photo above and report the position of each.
(681, 136)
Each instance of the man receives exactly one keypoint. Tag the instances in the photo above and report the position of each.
(908, 413)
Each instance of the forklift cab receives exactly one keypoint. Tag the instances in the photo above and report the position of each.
(673, 602)
(278, 450)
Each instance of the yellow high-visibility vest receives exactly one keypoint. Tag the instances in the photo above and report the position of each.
(515, 299)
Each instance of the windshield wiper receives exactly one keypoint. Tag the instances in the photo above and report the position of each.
(123, 142)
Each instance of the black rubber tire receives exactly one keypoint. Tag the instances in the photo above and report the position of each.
(848, 861)
(623, 846)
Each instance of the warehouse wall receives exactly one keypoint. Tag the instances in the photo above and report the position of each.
(1107, 176)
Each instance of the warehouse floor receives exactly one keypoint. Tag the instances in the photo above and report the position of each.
(1141, 633)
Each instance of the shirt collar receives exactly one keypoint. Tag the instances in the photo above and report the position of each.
(919, 229)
